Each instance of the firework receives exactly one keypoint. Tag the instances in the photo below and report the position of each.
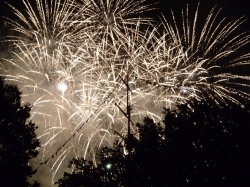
(67, 78)
(212, 57)
(71, 57)
(109, 20)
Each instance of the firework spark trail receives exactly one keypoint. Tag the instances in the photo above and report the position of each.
(210, 56)
(70, 55)
(108, 19)
(45, 40)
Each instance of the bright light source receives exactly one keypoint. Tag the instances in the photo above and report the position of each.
(62, 86)
(108, 166)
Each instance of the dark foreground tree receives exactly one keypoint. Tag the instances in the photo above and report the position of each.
(208, 146)
(18, 141)
(85, 174)
(201, 145)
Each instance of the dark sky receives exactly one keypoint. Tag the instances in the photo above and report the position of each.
(4, 9)
(232, 9)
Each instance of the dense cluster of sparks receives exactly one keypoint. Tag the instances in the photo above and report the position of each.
(69, 59)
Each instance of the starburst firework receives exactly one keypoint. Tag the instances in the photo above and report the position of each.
(212, 56)
(71, 55)
(109, 19)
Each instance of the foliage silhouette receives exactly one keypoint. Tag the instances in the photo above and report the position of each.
(201, 145)
(85, 174)
(208, 145)
(18, 141)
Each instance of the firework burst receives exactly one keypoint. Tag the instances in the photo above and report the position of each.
(210, 57)
(109, 19)
(70, 58)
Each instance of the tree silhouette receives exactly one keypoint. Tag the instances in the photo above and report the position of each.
(201, 145)
(116, 167)
(85, 174)
(18, 141)
(208, 145)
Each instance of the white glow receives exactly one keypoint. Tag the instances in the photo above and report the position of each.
(184, 91)
(62, 86)
(108, 166)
